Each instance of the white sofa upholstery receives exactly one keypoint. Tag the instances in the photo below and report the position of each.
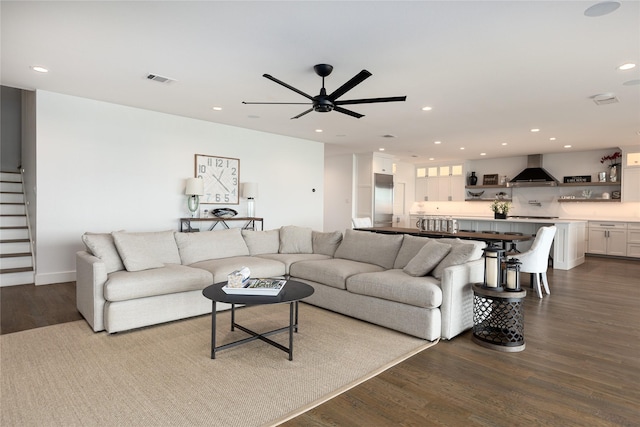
(124, 283)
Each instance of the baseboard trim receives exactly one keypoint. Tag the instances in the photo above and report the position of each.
(51, 278)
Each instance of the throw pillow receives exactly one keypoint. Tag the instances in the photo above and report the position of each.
(206, 245)
(143, 251)
(262, 242)
(296, 240)
(427, 258)
(411, 245)
(459, 254)
(372, 248)
(326, 243)
(102, 246)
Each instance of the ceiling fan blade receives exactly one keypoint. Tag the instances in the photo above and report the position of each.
(371, 100)
(281, 103)
(273, 79)
(347, 112)
(355, 80)
(302, 114)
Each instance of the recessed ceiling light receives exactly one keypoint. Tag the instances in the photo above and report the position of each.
(253, 116)
(567, 146)
(535, 130)
(627, 66)
(380, 149)
(483, 154)
(437, 142)
(552, 138)
(426, 108)
(318, 130)
(217, 108)
(39, 69)
(431, 158)
(601, 9)
(504, 143)
(462, 148)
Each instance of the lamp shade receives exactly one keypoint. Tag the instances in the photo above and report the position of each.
(250, 190)
(195, 187)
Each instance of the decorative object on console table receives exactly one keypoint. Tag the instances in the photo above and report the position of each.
(224, 212)
(195, 189)
(493, 258)
(250, 192)
(473, 179)
(221, 176)
(490, 179)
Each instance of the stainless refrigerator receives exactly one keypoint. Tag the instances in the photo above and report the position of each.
(383, 200)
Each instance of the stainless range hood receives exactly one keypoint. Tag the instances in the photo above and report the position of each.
(534, 175)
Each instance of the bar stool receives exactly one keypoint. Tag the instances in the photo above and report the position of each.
(513, 246)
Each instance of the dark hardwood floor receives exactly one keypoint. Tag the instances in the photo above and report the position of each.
(581, 365)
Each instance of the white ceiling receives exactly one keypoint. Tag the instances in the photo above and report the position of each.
(490, 70)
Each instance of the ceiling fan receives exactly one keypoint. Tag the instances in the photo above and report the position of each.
(324, 103)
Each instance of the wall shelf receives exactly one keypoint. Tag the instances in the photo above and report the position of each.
(589, 200)
(590, 184)
(478, 199)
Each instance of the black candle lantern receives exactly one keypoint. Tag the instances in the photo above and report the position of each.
(513, 275)
(493, 259)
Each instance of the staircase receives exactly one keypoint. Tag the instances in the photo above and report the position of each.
(16, 260)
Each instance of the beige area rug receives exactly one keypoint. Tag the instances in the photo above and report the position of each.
(162, 376)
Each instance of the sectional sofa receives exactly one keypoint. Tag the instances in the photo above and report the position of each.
(415, 285)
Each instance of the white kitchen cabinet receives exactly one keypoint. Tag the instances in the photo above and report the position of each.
(442, 183)
(608, 238)
(633, 239)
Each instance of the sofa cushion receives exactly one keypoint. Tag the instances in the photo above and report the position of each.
(172, 278)
(427, 258)
(289, 259)
(102, 246)
(262, 242)
(368, 247)
(206, 245)
(260, 267)
(326, 243)
(331, 272)
(459, 254)
(478, 245)
(296, 240)
(142, 251)
(395, 285)
(411, 245)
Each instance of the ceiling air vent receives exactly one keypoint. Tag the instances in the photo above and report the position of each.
(160, 79)
(605, 98)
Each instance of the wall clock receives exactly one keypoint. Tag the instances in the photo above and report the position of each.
(221, 176)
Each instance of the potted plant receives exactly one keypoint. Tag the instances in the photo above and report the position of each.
(500, 209)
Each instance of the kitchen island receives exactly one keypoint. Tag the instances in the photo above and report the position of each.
(569, 245)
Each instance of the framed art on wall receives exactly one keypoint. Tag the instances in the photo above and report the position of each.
(221, 176)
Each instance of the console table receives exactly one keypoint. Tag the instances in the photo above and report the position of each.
(250, 223)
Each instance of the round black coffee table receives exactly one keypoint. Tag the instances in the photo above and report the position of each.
(292, 293)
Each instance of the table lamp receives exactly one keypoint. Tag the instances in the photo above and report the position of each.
(250, 192)
(195, 189)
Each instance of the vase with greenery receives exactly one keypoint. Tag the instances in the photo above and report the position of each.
(500, 209)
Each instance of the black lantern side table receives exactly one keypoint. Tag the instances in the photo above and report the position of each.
(498, 318)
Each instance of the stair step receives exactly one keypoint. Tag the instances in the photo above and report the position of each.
(11, 197)
(14, 233)
(10, 186)
(16, 263)
(17, 278)
(15, 247)
(14, 241)
(15, 254)
(10, 176)
(13, 221)
(12, 209)
(15, 270)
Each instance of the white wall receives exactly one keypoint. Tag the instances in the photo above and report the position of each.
(104, 167)
(339, 192)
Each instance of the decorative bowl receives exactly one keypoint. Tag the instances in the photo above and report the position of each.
(475, 194)
(224, 213)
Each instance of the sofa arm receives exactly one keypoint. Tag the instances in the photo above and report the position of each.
(457, 297)
(91, 275)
